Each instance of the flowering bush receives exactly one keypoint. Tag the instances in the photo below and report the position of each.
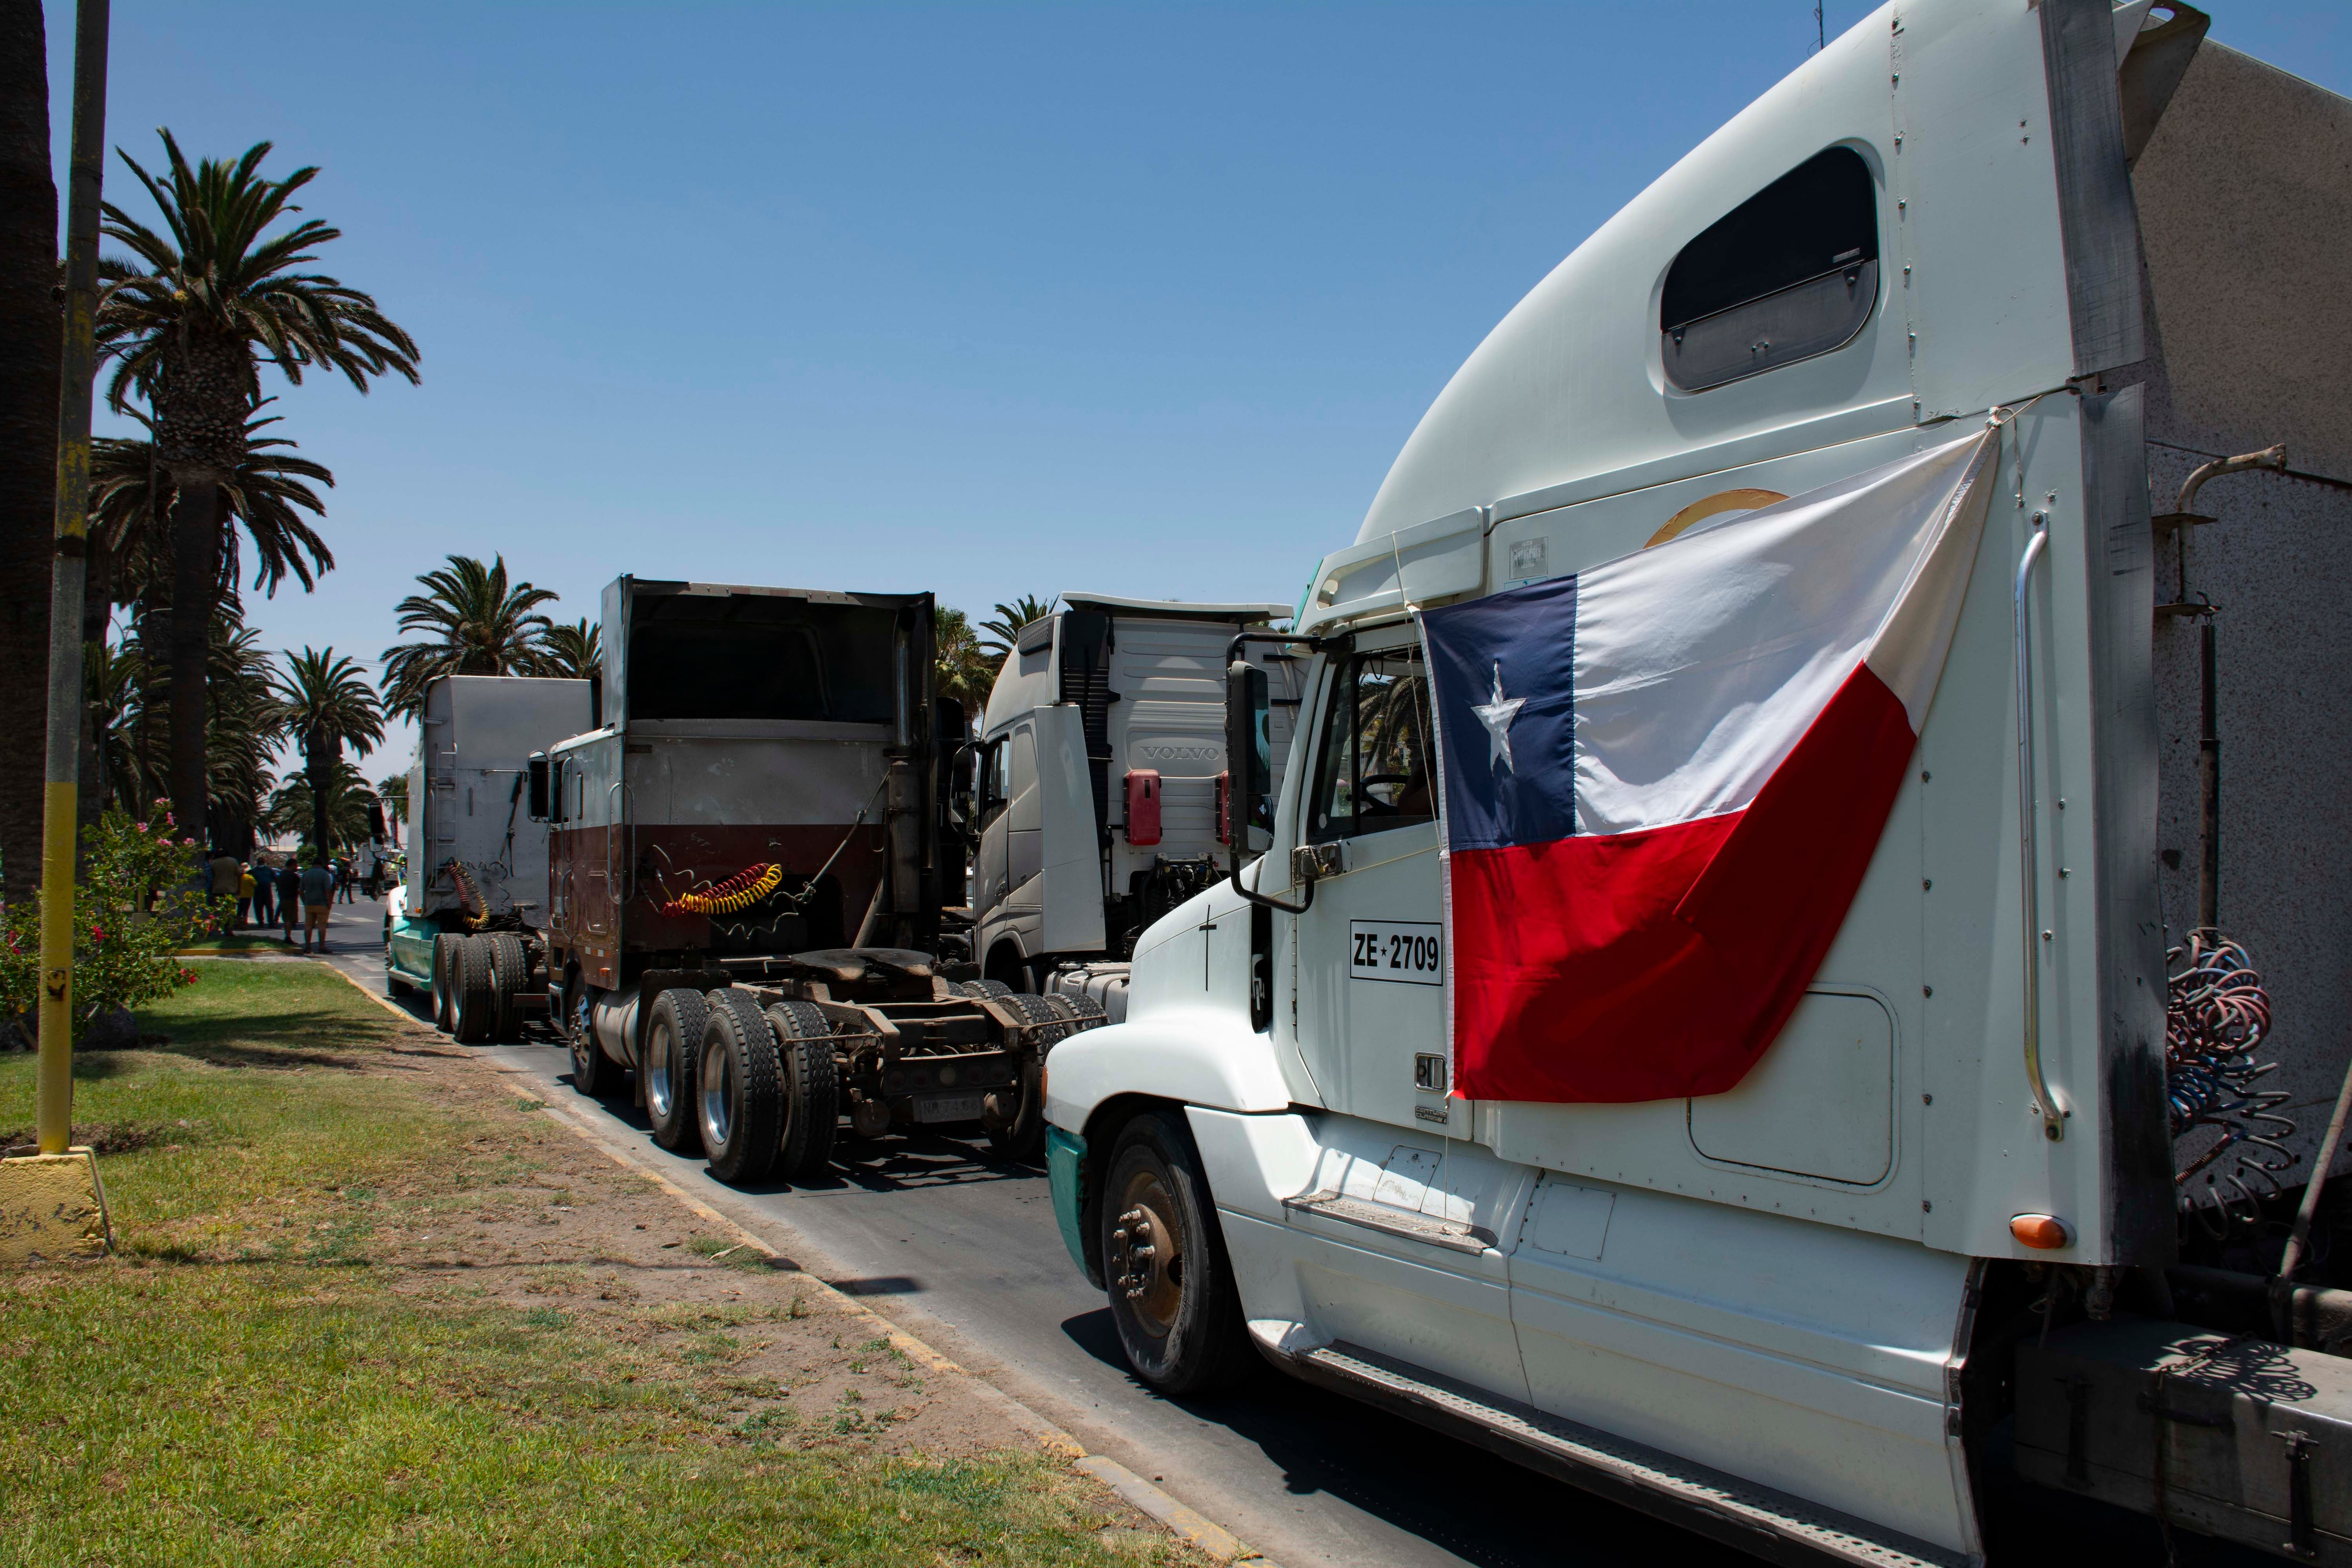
(138, 901)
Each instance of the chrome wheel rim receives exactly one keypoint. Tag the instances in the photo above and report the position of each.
(717, 1079)
(659, 1092)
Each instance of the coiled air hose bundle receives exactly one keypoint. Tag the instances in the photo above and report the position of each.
(2216, 1017)
(737, 893)
(469, 894)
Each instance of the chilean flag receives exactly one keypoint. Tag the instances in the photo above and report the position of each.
(1661, 779)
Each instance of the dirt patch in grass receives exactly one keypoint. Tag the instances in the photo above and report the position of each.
(370, 1304)
(102, 1138)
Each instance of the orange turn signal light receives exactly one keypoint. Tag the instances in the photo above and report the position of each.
(2044, 1232)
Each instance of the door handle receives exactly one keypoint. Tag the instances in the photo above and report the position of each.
(2028, 853)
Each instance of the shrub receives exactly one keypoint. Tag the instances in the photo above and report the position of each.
(136, 904)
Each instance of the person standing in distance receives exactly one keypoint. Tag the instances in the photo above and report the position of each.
(289, 896)
(317, 898)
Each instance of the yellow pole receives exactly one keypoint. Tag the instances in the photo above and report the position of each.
(53, 1092)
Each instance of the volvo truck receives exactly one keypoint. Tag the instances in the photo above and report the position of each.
(1101, 789)
(468, 923)
(2013, 1242)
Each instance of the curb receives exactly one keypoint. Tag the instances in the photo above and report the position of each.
(1186, 1524)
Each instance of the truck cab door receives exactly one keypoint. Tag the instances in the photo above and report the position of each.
(1371, 960)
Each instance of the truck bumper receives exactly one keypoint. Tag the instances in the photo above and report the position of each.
(1066, 1173)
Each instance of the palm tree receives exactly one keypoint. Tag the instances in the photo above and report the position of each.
(965, 670)
(575, 652)
(220, 298)
(326, 701)
(29, 338)
(484, 626)
(266, 493)
(393, 790)
(244, 724)
(1005, 629)
(294, 808)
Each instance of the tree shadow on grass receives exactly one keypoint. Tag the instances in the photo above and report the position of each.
(312, 1038)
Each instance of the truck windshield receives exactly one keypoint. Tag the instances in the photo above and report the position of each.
(754, 657)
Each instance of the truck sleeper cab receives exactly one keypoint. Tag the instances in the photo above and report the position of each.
(1800, 1316)
(472, 925)
(1100, 779)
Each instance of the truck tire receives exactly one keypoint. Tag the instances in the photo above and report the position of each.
(986, 990)
(739, 1092)
(1079, 1010)
(474, 1001)
(812, 1090)
(1017, 1130)
(1164, 1265)
(509, 983)
(673, 1043)
(444, 978)
(593, 1073)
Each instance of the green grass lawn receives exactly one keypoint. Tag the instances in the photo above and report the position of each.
(238, 942)
(256, 1379)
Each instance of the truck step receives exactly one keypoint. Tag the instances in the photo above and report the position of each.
(1457, 1236)
(1769, 1524)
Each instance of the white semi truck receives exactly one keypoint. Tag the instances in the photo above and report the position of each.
(469, 922)
(1926, 1285)
(1100, 783)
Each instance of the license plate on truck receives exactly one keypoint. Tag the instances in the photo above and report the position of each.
(948, 1107)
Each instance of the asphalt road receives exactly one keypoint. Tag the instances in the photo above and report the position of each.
(962, 1249)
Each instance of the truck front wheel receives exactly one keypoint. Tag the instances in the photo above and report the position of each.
(673, 1043)
(445, 948)
(737, 1089)
(593, 1073)
(1170, 1286)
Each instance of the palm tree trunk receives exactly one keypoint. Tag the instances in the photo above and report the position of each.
(321, 767)
(29, 344)
(196, 572)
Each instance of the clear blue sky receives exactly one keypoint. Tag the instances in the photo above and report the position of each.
(982, 299)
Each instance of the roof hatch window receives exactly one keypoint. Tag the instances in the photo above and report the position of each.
(1789, 273)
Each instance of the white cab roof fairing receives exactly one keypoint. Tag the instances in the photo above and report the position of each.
(1177, 609)
(1015, 693)
(1568, 393)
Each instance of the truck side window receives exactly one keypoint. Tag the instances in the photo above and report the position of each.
(1373, 769)
(991, 786)
(1789, 273)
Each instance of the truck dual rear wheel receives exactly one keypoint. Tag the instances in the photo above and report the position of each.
(474, 1003)
(673, 1045)
(811, 1088)
(510, 983)
(738, 1088)
(445, 948)
(1164, 1265)
(1015, 1118)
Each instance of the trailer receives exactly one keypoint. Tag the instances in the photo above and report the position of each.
(1994, 1222)
(1101, 785)
(469, 923)
(748, 858)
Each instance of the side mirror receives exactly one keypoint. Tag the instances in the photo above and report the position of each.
(1249, 760)
(964, 803)
(539, 790)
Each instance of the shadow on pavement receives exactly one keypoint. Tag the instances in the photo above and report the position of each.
(1477, 1505)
